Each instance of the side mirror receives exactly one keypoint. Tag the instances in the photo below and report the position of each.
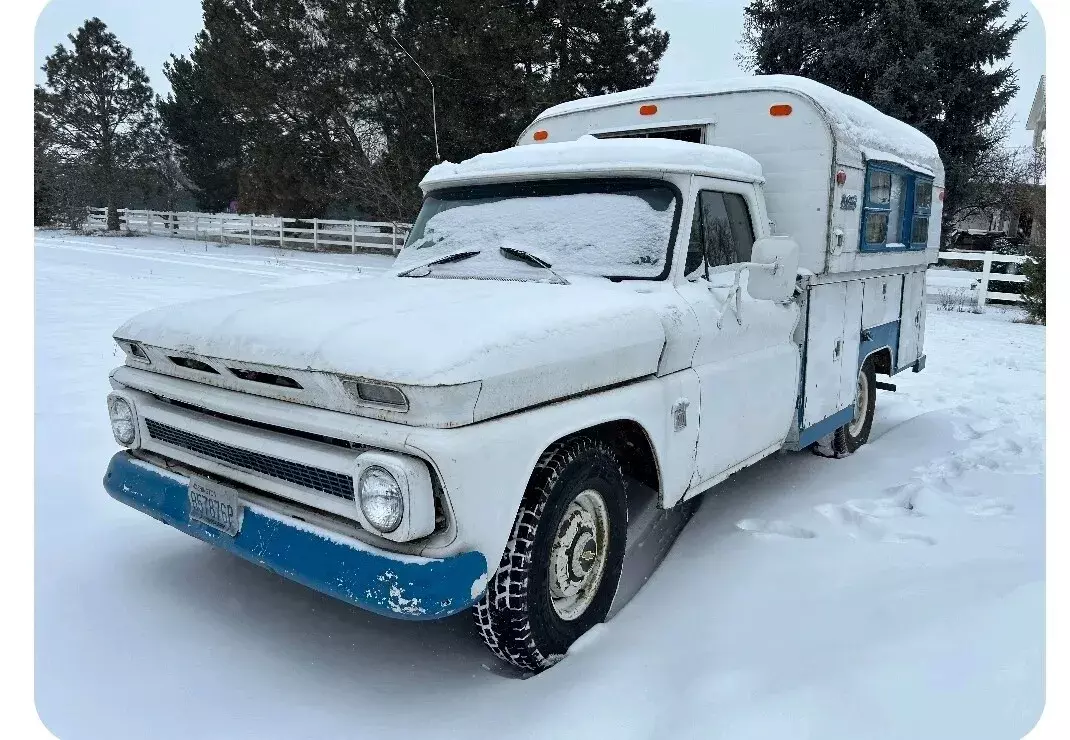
(776, 282)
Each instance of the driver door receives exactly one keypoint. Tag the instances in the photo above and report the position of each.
(746, 358)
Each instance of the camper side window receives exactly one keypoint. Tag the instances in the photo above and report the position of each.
(721, 231)
(897, 207)
(923, 207)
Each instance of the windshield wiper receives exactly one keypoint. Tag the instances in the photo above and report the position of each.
(531, 259)
(441, 259)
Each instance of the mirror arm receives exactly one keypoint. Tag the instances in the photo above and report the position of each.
(735, 293)
(738, 267)
(734, 299)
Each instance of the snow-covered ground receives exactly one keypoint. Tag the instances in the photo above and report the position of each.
(894, 594)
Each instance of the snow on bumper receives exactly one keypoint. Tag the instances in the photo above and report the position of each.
(386, 583)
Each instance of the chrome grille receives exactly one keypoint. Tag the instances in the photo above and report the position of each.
(306, 476)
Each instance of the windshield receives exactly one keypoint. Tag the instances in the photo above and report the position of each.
(612, 228)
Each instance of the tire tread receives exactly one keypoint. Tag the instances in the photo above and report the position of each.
(502, 614)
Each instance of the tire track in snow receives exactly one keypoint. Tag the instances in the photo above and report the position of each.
(934, 486)
(198, 261)
(774, 529)
(151, 258)
(250, 260)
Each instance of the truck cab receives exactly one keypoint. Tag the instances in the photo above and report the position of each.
(651, 291)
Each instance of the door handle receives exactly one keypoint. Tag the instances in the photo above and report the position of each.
(838, 348)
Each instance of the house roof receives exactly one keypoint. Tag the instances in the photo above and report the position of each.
(1037, 113)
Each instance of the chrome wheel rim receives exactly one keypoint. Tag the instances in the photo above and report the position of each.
(578, 555)
(861, 405)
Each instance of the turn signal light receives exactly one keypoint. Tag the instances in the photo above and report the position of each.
(648, 110)
(541, 135)
(782, 109)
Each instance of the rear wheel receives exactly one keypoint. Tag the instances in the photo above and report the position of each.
(560, 570)
(855, 433)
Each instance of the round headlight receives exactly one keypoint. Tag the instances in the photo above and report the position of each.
(122, 420)
(381, 499)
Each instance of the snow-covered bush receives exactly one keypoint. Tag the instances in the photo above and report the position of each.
(956, 299)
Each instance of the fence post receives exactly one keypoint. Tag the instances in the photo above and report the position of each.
(394, 237)
(982, 289)
(222, 222)
(315, 234)
(282, 231)
(125, 219)
(353, 237)
(149, 219)
(197, 226)
(250, 231)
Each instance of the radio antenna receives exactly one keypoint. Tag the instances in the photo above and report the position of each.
(434, 112)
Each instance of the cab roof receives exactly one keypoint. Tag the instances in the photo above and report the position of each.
(589, 156)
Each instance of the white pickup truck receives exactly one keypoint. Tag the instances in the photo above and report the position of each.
(651, 291)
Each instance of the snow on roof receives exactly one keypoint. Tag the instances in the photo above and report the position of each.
(589, 154)
(857, 122)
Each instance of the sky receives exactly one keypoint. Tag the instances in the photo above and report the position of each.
(704, 39)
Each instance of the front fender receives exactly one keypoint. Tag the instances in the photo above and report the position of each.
(485, 467)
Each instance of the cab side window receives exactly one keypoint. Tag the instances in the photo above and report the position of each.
(721, 231)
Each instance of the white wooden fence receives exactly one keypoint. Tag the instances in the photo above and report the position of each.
(389, 237)
(983, 294)
(233, 228)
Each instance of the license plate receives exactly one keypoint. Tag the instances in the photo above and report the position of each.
(215, 505)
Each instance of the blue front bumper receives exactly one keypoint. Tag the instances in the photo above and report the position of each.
(393, 585)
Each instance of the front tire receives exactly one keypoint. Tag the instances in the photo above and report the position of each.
(559, 572)
(855, 433)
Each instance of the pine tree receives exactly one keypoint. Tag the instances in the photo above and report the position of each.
(938, 65)
(1035, 289)
(272, 105)
(207, 137)
(305, 107)
(99, 109)
(484, 62)
(495, 66)
(599, 46)
(45, 169)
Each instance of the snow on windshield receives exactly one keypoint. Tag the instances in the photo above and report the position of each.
(624, 233)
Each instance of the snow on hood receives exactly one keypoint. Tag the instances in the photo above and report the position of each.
(530, 342)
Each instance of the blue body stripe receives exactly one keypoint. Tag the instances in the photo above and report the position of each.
(826, 426)
(398, 586)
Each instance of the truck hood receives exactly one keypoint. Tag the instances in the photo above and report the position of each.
(501, 346)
